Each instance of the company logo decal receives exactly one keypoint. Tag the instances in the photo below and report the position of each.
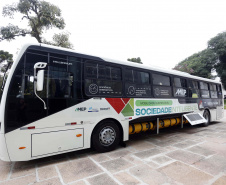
(93, 89)
(181, 92)
(108, 108)
(80, 109)
(91, 109)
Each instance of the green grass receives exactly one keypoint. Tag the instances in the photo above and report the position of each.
(224, 104)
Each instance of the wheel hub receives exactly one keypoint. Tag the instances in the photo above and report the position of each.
(107, 136)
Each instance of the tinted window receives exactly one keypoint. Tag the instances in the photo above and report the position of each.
(103, 80)
(91, 70)
(205, 94)
(193, 84)
(180, 82)
(213, 87)
(141, 77)
(101, 72)
(128, 75)
(161, 79)
(218, 88)
(203, 85)
(116, 73)
(60, 84)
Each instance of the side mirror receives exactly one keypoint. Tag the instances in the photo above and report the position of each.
(40, 80)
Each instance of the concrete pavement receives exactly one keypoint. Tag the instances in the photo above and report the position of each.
(192, 155)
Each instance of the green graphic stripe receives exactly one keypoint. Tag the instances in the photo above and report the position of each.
(131, 102)
(128, 111)
(143, 103)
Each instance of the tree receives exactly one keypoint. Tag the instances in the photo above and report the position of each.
(136, 60)
(199, 64)
(6, 60)
(61, 39)
(41, 16)
(218, 45)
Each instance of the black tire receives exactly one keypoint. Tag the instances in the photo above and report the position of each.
(106, 136)
(206, 115)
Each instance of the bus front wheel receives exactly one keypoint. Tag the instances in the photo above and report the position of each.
(106, 136)
(206, 115)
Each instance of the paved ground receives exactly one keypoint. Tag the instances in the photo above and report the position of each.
(192, 155)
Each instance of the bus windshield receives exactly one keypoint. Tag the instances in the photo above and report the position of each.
(4, 79)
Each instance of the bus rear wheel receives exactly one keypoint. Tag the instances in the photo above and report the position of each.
(206, 115)
(106, 136)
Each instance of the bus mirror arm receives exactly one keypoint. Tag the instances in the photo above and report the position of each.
(39, 79)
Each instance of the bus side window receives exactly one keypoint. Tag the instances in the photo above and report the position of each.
(204, 90)
(137, 83)
(193, 89)
(129, 75)
(161, 86)
(219, 91)
(91, 70)
(161, 80)
(213, 91)
(116, 73)
(180, 87)
(102, 80)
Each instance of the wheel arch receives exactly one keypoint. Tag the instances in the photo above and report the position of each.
(207, 109)
(111, 119)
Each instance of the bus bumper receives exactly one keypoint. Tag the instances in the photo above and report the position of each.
(3, 149)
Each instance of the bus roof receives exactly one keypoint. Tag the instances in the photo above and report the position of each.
(127, 63)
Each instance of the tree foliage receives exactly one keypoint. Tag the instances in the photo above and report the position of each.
(6, 59)
(40, 15)
(136, 60)
(61, 39)
(199, 64)
(218, 45)
(211, 59)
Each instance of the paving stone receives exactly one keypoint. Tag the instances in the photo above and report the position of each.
(161, 159)
(153, 165)
(4, 163)
(220, 181)
(78, 169)
(100, 157)
(216, 139)
(216, 147)
(21, 181)
(213, 165)
(185, 156)
(119, 153)
(148, 175)
(185, 174)
(78, 183)
(53, 181)
(126, 179)
(132, 159)
(47, 172)
(201, 150)
(168, 142)
(140, 145)
(102, 179)
(116, 165)
(185, 144)
(149, 153)
(4, 172)
(19, 172)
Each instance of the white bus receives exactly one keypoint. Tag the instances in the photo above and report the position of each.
(56, 100)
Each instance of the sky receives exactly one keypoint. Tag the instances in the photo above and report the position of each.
(161, 32)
